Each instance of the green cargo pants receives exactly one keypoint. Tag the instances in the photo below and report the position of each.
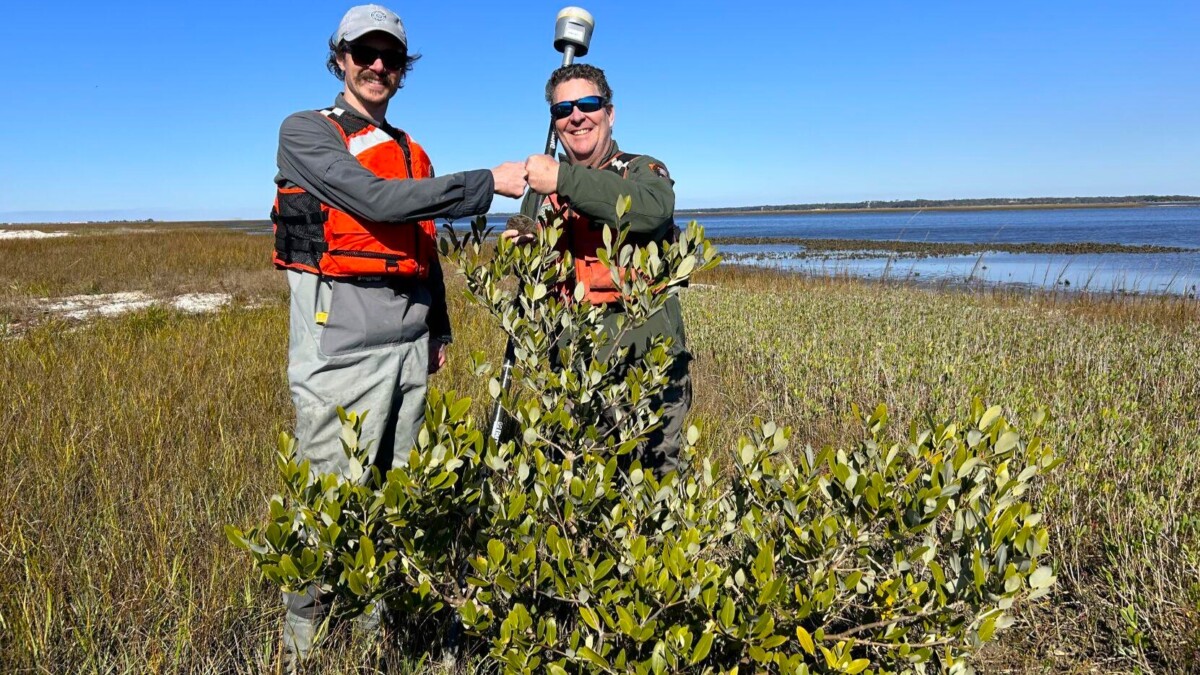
(661, 450)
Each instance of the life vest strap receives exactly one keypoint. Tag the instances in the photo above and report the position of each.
(286, 243)
(317, 218)
(349, 124)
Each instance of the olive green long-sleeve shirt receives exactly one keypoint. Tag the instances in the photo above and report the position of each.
(594, 193)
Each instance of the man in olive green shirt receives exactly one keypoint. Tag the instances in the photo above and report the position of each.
(593, 175)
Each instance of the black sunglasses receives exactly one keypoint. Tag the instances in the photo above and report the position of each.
(587, 104)
(364, 56)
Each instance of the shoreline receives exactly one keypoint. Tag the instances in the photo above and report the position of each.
(934, 249)
(696, 215)
(691, 214)
(1186, 295)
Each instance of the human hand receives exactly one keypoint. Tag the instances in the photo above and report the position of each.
(510, 179)
(520, 229)
(437, 355)
(542, 174)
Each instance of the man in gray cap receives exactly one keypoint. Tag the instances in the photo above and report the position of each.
(354, 228)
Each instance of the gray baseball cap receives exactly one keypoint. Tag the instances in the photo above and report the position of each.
(365, 19)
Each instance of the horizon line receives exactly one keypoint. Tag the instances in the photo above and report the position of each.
(99, 216)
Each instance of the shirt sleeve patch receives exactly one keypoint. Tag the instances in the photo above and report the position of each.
(659, 169)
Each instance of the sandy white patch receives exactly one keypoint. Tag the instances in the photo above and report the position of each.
(31, 234)
(114, 304)
(198, 303)
(127, 230)
(110, 304)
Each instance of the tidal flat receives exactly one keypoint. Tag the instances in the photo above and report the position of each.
(132, 439)
(1099, 268)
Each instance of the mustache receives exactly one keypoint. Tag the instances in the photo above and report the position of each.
(366, 77)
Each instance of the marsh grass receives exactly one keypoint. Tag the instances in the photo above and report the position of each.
(1118, 375)
(130, 442)
(162, 263)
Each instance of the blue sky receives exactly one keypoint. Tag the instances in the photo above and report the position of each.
(170, 110)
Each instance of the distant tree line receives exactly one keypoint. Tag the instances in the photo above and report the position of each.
(942, 203)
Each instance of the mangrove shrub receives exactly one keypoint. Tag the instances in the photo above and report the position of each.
(555, 551)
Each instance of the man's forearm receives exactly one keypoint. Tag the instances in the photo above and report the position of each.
(452, 196)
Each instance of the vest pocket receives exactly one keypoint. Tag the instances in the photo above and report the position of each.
(370, 262)
(596, 276)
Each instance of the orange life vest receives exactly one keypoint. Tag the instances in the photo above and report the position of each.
(582, 237)
(315, 237)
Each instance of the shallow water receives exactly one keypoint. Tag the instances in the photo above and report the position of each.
(1155, 225)
(1176, 273)
(1177, 226)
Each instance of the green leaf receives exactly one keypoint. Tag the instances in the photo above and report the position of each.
(989, 418)
(686, 267)
(236, 537)
(768, 593)
(806, 641)
(288, 566)
(587, 653)
(759, 654)
(356, 582)
(747, 454)
(495, 551)
(1042, 577)
(764, 562)
(727, 613)
(589, 617)
(624, 203)
(773, 642)
(626, 621)
(703, 646)
(658, 658)
(1007, 442)
(857, 666)
(987, 629)
(517, 506)
(967, 466)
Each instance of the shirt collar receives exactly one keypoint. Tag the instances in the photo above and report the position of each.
(341, 102)
(613, 150)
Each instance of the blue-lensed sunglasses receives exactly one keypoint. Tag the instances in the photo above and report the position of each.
(587, 104)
